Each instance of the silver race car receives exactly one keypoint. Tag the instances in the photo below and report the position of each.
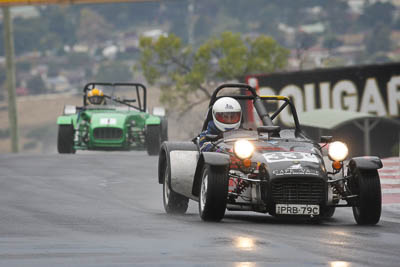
(269, 170)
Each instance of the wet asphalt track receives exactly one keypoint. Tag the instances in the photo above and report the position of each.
(105, 209)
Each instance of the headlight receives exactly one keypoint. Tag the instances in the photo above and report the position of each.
(243, 149)
(69, 110)
(338, 151)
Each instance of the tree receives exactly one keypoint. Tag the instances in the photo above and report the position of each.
(27, 34)
(336, 16)
(61, 22)
(93, 27)
(332, 42)
(304, 41)
(36, 85)
(51, 41)
(186, 76)
(377, 13)
(378, 40)
(78, 59)
(24, 66)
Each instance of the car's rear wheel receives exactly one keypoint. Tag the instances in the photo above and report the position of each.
(213, 193)
(65, 140)
(368, 207)
(164, 129)
(174, 203)
(153, 139)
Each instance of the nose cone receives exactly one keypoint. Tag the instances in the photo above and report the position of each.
(114, 120)
(108, 130)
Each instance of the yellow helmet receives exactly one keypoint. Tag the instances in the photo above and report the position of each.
(95, 92)
(95, 96)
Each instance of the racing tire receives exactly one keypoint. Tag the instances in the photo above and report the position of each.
(366, 184)
(328, 212)
(153, 140)
(164, 129)
(213, 193)
(174, 203)
(65, 140)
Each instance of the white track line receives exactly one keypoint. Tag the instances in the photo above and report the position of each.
(391, 190)
(390, 181)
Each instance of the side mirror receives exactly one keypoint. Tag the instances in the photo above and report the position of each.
(212, 137)
(269, 129)
(326, 139)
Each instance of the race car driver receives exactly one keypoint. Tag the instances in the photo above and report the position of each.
(227, 115)
(96, 97)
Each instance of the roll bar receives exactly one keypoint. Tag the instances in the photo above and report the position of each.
(258, 105)
(287, 102)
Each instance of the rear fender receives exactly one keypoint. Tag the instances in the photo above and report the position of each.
(365, 163)
(210, 158)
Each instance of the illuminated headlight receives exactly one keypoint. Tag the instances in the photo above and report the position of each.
(338, 151)
(243, 149)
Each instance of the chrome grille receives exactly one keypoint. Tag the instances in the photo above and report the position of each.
(298, 191)
(108, 133)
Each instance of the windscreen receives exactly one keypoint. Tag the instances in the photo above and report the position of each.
(120, 96)
(240, 133)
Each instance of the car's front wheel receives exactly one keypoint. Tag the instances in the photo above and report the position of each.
(328, 212)
(174, 203)
(366, 184)
(213, 193)
(65, 140)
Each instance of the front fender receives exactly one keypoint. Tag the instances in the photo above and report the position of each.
(365, 163)
(153, 120)
(65, 120)
(216, 159)
(210, 158)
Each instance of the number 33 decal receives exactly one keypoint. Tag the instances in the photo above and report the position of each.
(290, 156)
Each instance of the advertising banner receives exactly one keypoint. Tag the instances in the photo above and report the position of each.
(373, 89)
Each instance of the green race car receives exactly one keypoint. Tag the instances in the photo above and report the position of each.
(118, 122)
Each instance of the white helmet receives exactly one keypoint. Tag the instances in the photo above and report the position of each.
(227, 113)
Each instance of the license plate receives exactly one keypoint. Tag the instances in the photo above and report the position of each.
(297, 209)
